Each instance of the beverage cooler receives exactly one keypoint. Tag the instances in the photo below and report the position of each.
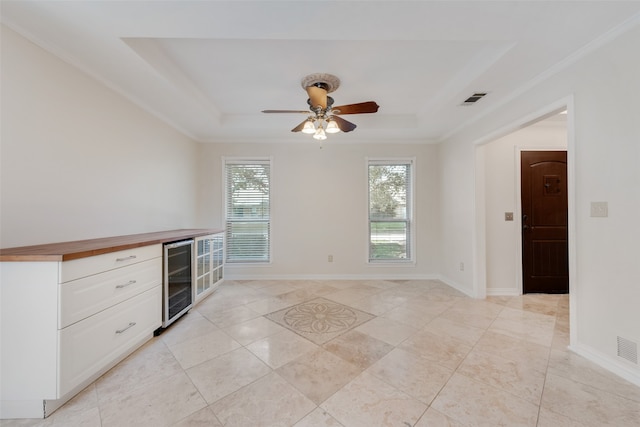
(178, 280)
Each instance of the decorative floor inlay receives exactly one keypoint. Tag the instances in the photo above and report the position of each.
(319, 320)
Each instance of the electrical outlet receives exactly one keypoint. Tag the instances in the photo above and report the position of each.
(330, 258)
(508, 216)
(462, 266)
(599, 209)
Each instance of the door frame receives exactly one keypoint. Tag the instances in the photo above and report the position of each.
(479, 237)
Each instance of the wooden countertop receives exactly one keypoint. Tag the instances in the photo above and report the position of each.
(65, 251)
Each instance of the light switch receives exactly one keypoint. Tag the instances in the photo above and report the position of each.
(508, 216)
(599, 209)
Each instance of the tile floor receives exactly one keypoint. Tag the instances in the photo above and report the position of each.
(393, 353)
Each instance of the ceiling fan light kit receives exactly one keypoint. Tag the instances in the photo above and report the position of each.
(325, 117)
(332, 127)
(320, 135)
(309, 127)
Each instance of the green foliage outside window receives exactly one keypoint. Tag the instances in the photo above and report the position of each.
(388, 212)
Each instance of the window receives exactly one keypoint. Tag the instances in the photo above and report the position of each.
(247, 188)
(390, 210)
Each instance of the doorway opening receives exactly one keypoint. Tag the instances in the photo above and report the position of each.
(498, 239)
(499, 220)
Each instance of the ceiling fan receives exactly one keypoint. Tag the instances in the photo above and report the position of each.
(325, 118)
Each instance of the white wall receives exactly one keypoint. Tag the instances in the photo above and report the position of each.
(457, 210)
(501, 181)
(319, 207)
(79, 161)
(604, 146)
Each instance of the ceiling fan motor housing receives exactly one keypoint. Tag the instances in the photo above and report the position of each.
(317, 86)
(329, 102)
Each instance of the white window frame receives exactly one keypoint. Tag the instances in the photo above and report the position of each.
(239, 161)
(410, 220)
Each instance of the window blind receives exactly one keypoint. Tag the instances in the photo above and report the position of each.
(247, 210)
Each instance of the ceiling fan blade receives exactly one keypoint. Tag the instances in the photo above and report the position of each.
(286, 111)
(317, 97)
(362, 107)
(344, 125)
(299, 127)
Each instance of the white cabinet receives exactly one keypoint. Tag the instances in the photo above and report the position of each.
(65, 323)
(70, 311)
(209, 264)
(88, 346)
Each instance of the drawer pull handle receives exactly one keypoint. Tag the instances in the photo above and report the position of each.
(131, 324)
(129, 283)
(126, 258)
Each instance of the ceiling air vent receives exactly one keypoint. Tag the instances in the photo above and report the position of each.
(474, 98)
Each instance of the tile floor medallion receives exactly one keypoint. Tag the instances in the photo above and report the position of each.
(320, 320)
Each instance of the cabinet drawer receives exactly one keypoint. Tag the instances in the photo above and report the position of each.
(88, 346)
(83, 267)
(84, 297)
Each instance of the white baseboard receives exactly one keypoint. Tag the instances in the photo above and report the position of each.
(12, 409)
(610, 364)
(502, 292)
(456, 286)
(331, 277)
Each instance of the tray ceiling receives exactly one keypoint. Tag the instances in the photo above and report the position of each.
(209, 67)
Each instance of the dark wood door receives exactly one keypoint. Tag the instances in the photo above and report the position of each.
(545, 251)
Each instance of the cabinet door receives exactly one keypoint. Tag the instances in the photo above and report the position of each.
(208, 263)
(203, 261)
(204, 256)
(217, 258)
